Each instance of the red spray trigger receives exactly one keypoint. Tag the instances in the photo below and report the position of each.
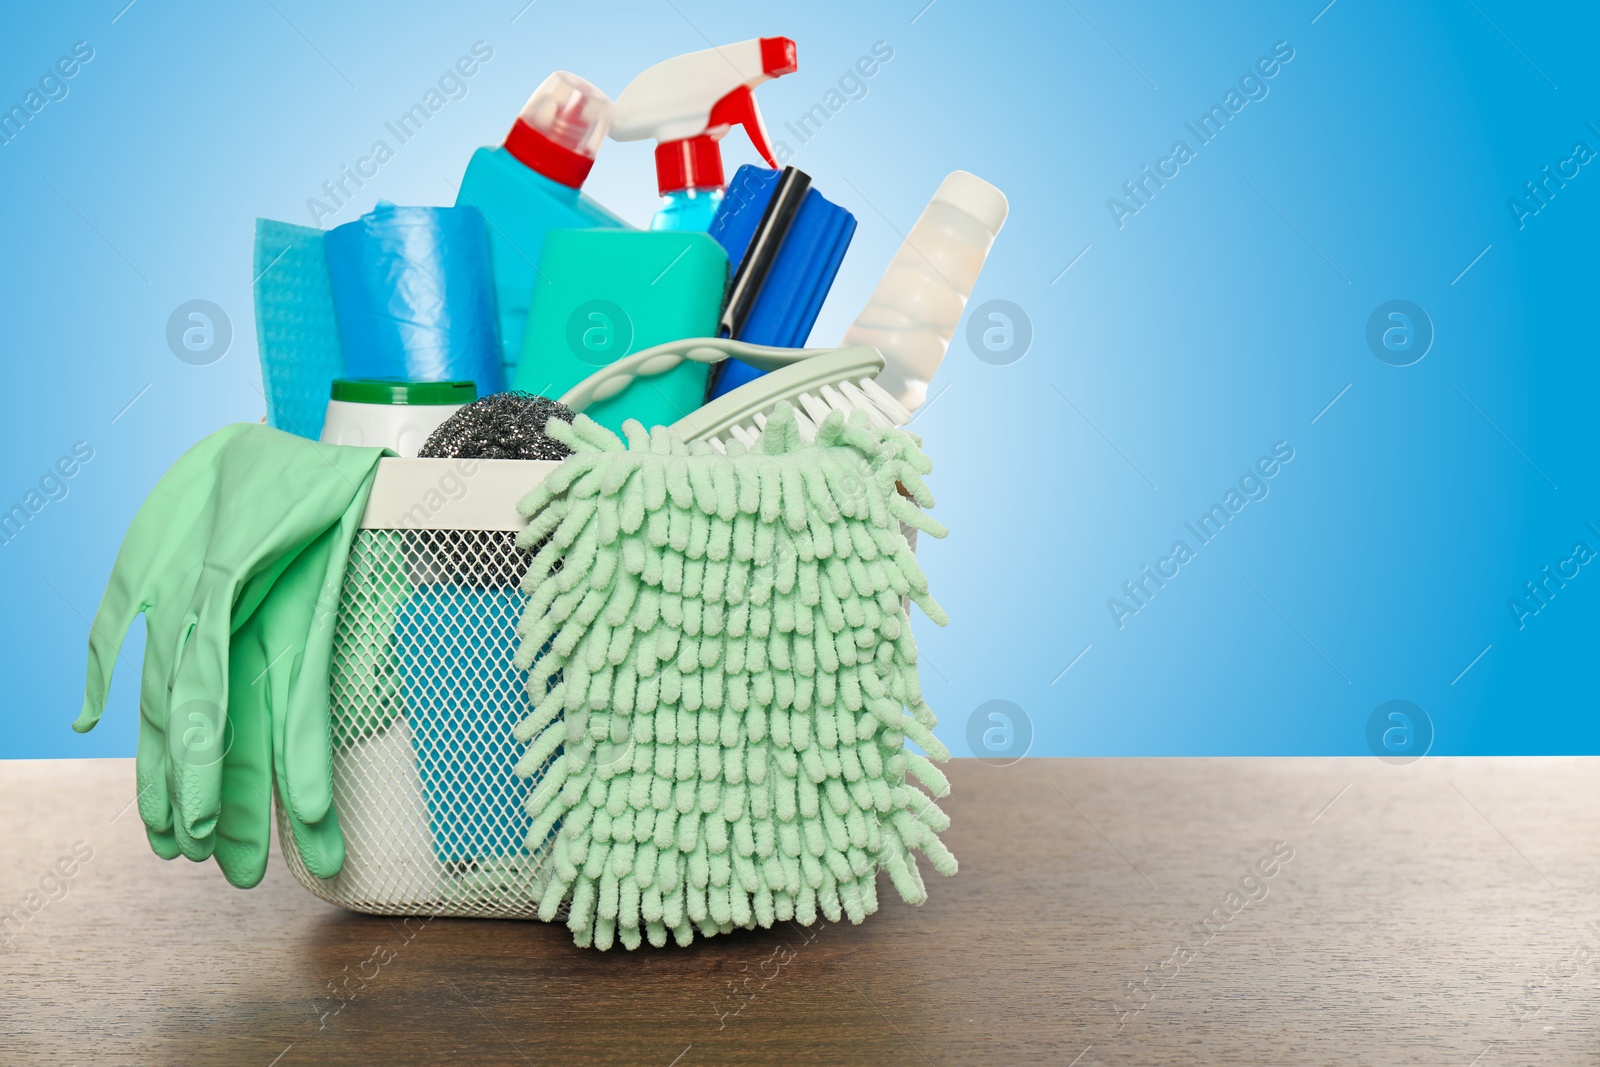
(738, 108)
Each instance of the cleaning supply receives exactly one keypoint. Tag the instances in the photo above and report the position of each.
(918, 303)
(387, 833)
(762, 250)
(806, 261)
(363, 675)
(296, 328)
(502, 426)
(395, 415)
(421, 657)
(236, 560)
(414, 303)
(278, 669)
(817, 380)
(730, 671)
(461, 718)
(603, 294)
(531, 184)
(842, 380)
(383, 813)
(686, 105)
(414, 295)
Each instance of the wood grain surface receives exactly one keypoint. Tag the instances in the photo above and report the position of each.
(1107, 912)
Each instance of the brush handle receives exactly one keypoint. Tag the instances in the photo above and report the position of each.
(609, 381)
(826, 377)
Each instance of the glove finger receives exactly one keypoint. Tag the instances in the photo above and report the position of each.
(185, 736)
(150, 781)
(244, 826)
(163, 844)
(307, 744)
(151, 778)
(307, 733)
(199, 733)
(242, 863)
(150, 759)
(118, 608)
(198, 849)
(321, 844)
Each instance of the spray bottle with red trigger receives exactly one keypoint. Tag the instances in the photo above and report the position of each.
(686, 105)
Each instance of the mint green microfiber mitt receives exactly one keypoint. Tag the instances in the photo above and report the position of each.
(722, 665)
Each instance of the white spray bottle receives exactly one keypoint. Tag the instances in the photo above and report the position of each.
(918, 303)
(687, 104)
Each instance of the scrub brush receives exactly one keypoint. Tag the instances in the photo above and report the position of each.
(814, 380)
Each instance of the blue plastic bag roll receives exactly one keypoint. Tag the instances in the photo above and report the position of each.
(414, 296)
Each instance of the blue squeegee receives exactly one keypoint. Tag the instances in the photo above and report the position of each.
(790, 299)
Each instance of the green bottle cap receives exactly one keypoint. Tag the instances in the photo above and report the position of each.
(396, 391)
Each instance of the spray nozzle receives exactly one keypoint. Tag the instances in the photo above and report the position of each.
(690, 102)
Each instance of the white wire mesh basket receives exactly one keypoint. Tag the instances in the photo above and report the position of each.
(424, 697)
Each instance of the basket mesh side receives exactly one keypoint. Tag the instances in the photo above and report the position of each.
(424, 697)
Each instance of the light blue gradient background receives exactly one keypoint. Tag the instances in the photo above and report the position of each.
(1189, 341)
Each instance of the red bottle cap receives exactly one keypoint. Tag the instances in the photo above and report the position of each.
(692, 163)
(561, 128)
(554, 161)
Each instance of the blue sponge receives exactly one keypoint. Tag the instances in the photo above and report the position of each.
(802, 274)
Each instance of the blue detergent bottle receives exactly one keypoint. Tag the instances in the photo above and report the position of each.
(532, 184)
(687, 104)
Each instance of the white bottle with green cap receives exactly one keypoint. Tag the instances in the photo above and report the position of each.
(398, 415)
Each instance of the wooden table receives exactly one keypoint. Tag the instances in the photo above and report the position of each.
(1446, 912)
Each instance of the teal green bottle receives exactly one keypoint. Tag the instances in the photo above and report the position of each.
(531, 185)
(601, 295)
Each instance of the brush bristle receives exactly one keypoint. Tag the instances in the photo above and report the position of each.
(863, 394)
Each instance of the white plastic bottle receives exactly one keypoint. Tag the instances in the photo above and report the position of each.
(918, 303)
(398, 415)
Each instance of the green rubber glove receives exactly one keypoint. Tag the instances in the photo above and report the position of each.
(276, 704)
(156, 572)
(236, 561)
(299, 615)
(279, 494)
